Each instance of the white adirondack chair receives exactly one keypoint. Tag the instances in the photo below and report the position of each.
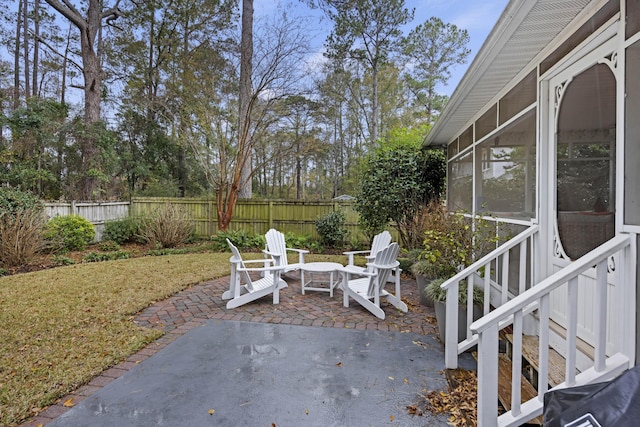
(369, 290)
(277, 249)
(380, 241)
(242, 289)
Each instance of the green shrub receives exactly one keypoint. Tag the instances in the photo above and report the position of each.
(241, 239)
(62, 260)
(109, 246)
(405, 263)
(109, 256)
(168, 251)
(121, 230)
(422, 267)
(3, 272)
(331, 229)
(299, 242)
(69, 232)
(451, 242)
(168, 227)
(13, 200)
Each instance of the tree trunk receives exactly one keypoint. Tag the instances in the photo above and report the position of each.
(65, 61)
(36, 47)
(92, 80)
(150, 72)
(16, 59)
(298, 167)
(92, 74)
(25, 46)
(244, 116)
(374, 108)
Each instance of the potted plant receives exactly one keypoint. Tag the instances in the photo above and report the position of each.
(421, 270)
(439, 297)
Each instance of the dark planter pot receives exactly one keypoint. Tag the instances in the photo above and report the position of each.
(423, 282)
(462, 319)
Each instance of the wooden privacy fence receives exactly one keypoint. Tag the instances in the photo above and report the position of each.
(95, 212)
(254, 216)
(251, 216)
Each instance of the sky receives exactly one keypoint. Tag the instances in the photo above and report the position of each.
(477, 17)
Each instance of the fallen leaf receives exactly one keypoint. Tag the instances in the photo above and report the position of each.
(339, 364)
(421, 344)
(392, 418)
(68, 403)
(406, 381)
(460, 402)
(306, 411)
(211, 411)
(391, 378)
(414, 410)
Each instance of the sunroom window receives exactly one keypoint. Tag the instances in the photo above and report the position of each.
(460, 190)
(506, 181)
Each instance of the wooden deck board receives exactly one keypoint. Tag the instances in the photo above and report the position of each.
(530, 347)
(527, 391)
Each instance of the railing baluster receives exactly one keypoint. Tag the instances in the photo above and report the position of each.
(522, 282)
(488, 377)
(487, 288)
(469, 307)
(543, 350)
(516, 371)
(451, 332)
(601, 316)
(505, 277)
(572, 331)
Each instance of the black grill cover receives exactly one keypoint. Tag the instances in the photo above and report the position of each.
(614, 403)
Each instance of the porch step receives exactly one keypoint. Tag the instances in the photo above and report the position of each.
(530, 347)
(527, 391)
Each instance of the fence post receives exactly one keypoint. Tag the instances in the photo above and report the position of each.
(270, 214)
(210, 217)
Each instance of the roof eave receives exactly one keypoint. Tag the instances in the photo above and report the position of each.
(513, 15)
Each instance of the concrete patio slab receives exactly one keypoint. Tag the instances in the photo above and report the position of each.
(236, 373)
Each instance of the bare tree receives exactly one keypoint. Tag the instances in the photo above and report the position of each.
(275, 74)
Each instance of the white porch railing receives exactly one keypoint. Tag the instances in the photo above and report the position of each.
(494, 264)
(606, 366)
